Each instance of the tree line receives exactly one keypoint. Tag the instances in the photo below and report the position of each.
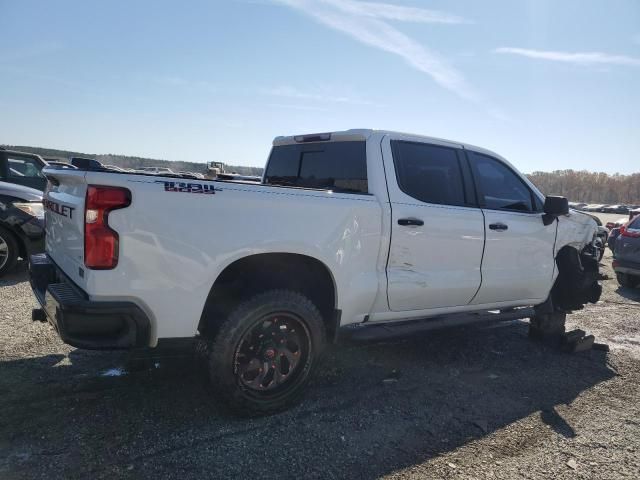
(124, 161)
(577, 186)
(589, 187)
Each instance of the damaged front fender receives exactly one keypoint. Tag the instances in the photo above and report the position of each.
(577, 282)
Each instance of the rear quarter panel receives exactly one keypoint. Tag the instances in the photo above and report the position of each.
(174, 244)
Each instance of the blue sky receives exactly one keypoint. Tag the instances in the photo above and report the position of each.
(547, 84)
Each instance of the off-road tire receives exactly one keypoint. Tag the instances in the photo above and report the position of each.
(222, 351)
(626, 280)
(548, 326)
(7, 263)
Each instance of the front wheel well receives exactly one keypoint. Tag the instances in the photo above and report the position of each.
(258, 273)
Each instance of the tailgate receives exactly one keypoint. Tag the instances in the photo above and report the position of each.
(64, 219)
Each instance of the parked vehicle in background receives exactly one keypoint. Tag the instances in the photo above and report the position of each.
(602, 235)
(626, 255)
(21, 224)
(199, 176)
(85, 163)
(214, 169)
(577, 205)
(616, 209)
(155, 170)
(613, 236)
(343, 234)
(594, 207)
(616, 226)
(58, 164)
(22, 168)
(602, 239)
(617, 223)
(114, 167)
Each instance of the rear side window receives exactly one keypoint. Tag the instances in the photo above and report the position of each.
(499, 187)
(429, 173)
(635, 223)
(337, 166)
(21, 167)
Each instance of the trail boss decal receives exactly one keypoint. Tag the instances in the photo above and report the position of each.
(187, 187)
(64, 210)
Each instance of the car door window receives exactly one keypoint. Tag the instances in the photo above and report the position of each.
(23, 168)
(499, 187)
(429, 173)
(336, 166)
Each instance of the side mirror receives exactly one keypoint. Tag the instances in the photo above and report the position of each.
(556, 206)
(553, 208)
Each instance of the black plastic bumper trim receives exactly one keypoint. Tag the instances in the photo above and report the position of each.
(83, 323)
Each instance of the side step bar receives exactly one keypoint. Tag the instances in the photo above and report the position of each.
(365, 332)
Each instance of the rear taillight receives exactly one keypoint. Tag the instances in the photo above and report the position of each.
(101, 242)
(625, 232)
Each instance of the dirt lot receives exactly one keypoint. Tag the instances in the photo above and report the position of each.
(466, 403)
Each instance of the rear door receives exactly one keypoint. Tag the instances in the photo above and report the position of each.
(518, 262)
(437, 231)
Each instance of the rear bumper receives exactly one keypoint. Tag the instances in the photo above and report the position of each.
(626, 266)
(81, 322)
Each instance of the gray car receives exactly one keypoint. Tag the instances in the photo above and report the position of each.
(626, 262)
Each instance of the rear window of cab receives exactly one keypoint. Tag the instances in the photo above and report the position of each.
(335, 166)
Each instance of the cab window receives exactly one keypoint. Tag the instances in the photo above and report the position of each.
(23, 167)
(499, 188)
(429, 173)
(336, 166)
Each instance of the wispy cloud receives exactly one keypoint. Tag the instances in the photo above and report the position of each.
(367, 23)
(323, 95)
(577, 58)
(400, 13)
(304, 108)
(181, 82)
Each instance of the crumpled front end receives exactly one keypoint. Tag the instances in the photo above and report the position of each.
(577, 259)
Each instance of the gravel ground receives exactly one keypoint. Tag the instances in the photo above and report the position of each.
(464, 403)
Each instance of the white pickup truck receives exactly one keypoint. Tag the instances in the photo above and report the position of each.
(347, 231)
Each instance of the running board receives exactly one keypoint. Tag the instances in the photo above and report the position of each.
(370, 332)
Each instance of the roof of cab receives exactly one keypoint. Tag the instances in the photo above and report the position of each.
(362, 134)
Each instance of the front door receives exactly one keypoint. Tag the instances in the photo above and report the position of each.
(437, 233)
(518, 262)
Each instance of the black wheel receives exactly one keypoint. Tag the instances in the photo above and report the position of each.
(626, 280)
(8, 251)
(548, 326)
(265, 352)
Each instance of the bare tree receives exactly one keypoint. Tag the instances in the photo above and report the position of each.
(591, 187)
